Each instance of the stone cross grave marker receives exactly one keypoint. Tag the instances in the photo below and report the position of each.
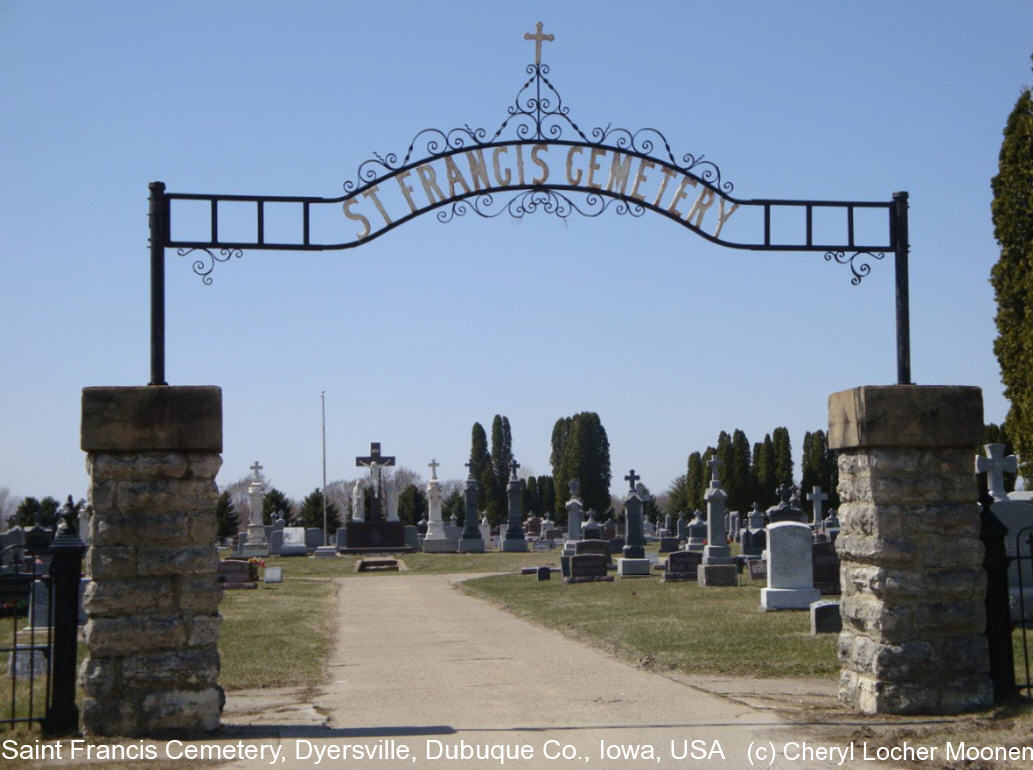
(995, 465)
(817, 497)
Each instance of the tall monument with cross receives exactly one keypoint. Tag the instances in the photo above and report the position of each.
(378, 533)
(378, 490)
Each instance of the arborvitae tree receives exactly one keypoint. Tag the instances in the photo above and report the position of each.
(582, 449)
(480, 463)
(32, 511)
(724, 455)
(226, 520)
(695, 483)
(532, 500)
(739, 484)
(810, 475)
(310, 512)
(764, 472)
(1012, 276)
(547, 493)
(501, 456)
(275, 504)
(412, 504)
(560, 473)
(783, 456)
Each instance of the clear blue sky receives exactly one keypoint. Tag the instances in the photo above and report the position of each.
(419, 334)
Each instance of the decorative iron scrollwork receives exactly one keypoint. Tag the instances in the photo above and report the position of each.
(533, 201)
(204, 267)
(860, 269)
(537, 114)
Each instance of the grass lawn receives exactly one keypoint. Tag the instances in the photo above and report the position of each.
(677, 626)
(416, 563)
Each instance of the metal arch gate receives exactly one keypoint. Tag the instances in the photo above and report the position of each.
(520, 157)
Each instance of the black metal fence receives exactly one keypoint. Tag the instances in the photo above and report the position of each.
(39, 621)
(1021, 599)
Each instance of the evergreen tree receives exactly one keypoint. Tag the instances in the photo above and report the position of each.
(480, 463)
(32, 511)
(764, 472)
(560, 472)
(277, 504)
(547, 493)
(783, 456)
(310, 512)
(695, 483)
(678, 496)
(413, 504)
(501, 456)
(1012, 276)
(581, 450)
(739, 482)
(226, 520)
(453, 505)
(810, 475)
(532, 500)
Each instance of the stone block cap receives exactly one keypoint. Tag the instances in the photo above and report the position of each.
(152, 418)
(931, 416)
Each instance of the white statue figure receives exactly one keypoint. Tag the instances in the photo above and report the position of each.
(358, 503)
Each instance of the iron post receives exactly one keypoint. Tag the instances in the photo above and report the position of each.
(65, 571)
(900, 242)
(157, 219)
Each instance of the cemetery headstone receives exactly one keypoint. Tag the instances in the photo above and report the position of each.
(826, 567)
(515, 540)
(786, 510)
(233, 573)
(817, 497)
(473, 540)
(436, 539)
(790, 573)
(293, 542)
(588, 568)
(1015, 515)
(574, 511)
(754, 538)
(825, 617)
(634, 563)
(682, 565)
(683, 527)
(340, 539)
(591, 529)
(697, 532)
(717, 567)
(256, 543)
(39, 603)
(313, 538)
(273, 575)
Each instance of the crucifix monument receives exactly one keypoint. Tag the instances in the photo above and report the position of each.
(378, 491)
(380, 531)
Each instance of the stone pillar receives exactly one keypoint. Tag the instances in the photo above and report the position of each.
(911, 559)
(152, 604)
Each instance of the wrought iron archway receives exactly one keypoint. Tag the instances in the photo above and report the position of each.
(520, 157)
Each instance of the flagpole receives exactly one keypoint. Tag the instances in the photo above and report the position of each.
(322, 398)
